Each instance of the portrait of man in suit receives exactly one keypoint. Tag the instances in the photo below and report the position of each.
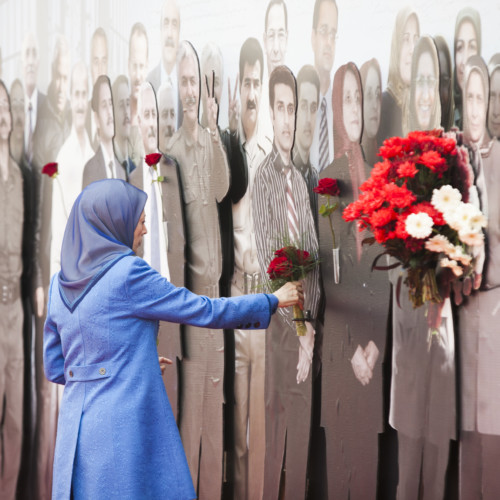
(103, 165)
(166, 112)
(323, 41)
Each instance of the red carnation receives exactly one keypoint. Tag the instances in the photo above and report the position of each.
(50, 169)
(433, 160)
(407, 169)
(327, 187)
(152, 159)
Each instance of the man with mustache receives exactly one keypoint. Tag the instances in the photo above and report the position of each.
(205, 181)
(121, 109)
(98, 67)
(249, 372)
(323, 39)
(103, 165)
(11, 312)
(308, 98)
(74, 154)
(280, 204)
(166, 70)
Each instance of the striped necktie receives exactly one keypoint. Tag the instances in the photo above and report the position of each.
(323, 137)
(293, 220)
(30, 134)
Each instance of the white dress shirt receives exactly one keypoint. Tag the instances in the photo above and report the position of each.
(34, 104)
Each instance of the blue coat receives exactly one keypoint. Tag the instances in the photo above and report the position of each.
(117, 437)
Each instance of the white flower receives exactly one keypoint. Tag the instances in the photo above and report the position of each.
(446, 198)
(457, 253)
(462, 216)
(419, 225)
(472, 239)
(453, 265)
(439, 243)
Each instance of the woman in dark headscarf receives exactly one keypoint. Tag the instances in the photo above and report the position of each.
(355, 315)
(445, 82)
(424, 110)
(372, 105)
(117, 437)
(467, 44)
(478, 316)
(395, 98)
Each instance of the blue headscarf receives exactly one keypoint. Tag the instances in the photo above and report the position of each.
(99, 232)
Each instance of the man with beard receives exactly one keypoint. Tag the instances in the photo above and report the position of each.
(307, 98)
(249, 409)
(280, 204)
(98, 67)
(166, 70)
(72, 157)
(121, 109)
(167, 119)
(103, 165)
(33, 98)
(11, 313)
(137, 67)
(205, 181)
(323, 39)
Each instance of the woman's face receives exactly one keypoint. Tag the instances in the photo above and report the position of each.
(476, 107)
(371, 103)
(408, 41)
(351, 107)
(140, 231)
(425, 90)
(465, 46)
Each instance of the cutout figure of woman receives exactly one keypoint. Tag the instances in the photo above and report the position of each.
(372, 105)
(467, 43)
(445, 82)
(424, 110)
(355, 315)
(395, 98)
(478, 317)
(494, 103)
(422, 407)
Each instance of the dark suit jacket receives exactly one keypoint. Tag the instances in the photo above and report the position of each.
(95, 169)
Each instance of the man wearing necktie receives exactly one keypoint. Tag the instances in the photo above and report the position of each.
(103, 165)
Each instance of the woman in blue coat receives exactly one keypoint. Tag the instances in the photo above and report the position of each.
(117, 437)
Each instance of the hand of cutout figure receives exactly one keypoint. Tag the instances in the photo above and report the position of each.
(39, 301)
(234, 105)
(303, 366)
(371, 354)
(212, 106)
(163, 363)
(360, 367)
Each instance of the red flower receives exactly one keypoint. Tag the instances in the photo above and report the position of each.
(398, 196)
(280, 268)
(152, 159)
(433, 160)
(426, 207)
(327, 187)
(407, 169)
(382, 217)
(50, 169)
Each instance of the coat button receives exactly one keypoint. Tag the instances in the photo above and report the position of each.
(247, 326)
(239, 327)
(257, 324)
(70, 373)
(102, 371)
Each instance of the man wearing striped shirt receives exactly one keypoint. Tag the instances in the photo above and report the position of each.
(280, 204)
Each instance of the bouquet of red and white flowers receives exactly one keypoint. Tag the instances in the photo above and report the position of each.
(416, 204)
(291, 264)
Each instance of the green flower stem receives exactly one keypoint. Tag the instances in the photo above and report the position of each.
(331, 223)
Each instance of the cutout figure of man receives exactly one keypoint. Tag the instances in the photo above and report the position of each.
(205, 181)
(280, 204)
(323, 38)
(74, 154)
(250, 347)
(166, 111)
(103, 165)
(166, 70)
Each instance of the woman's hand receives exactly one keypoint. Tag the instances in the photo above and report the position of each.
(163, 363)
(290, 294)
